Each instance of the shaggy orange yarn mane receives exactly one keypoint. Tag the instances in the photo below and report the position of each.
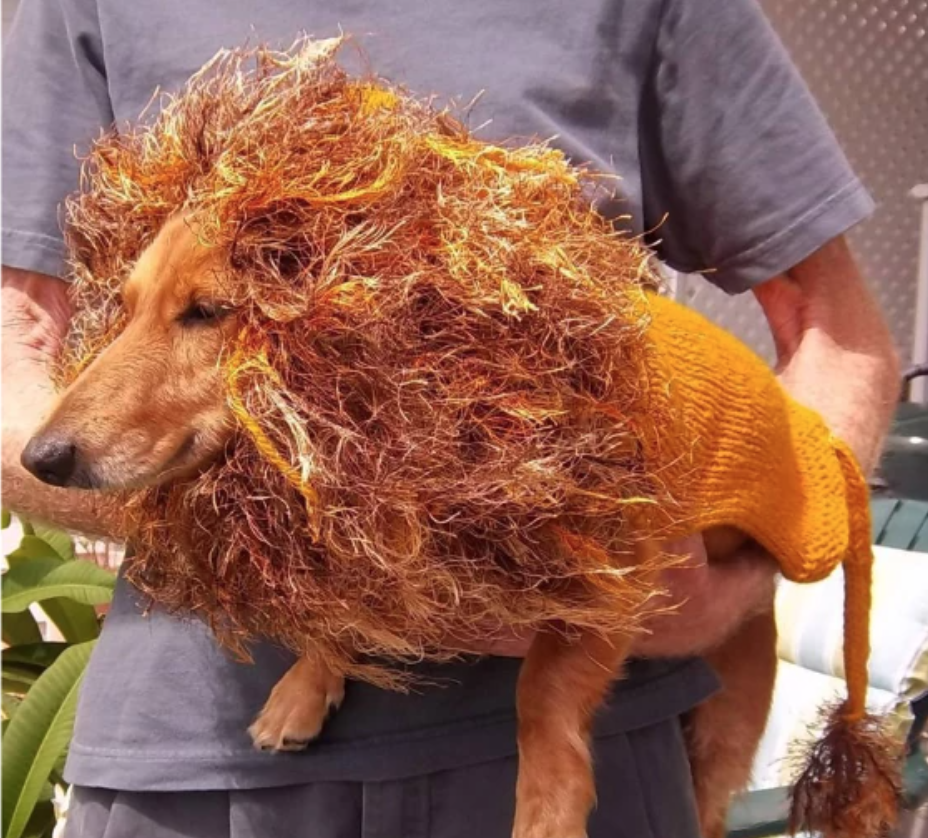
(444, 425)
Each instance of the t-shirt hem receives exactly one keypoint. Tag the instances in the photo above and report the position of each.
(33, 252)
(375, 759)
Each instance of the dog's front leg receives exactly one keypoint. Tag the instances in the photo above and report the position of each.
(561, 685)
(298, 706)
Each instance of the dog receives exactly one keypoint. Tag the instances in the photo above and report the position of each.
(152, 409)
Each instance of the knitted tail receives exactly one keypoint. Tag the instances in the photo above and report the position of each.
(851, 785)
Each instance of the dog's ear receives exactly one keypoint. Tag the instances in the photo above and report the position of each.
(276, 248)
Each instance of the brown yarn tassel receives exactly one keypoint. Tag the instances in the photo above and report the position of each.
(851, 786)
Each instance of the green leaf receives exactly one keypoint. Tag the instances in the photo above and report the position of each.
(11, 703)
(59, 541)
(19, 677)
(32, 547)
(19, 629)
(42, 822)
(5, 518)
(28, 529)
(42, 654)
(48, 790)
(11, 686)
(21, 577)
(41, 579)
(75, 621)
(37, 736)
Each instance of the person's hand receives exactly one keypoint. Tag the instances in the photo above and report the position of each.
(36, 312)
(705, 602)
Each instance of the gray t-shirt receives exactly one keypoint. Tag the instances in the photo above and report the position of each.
(692, 102)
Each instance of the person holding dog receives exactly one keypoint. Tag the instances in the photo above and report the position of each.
(700, 112)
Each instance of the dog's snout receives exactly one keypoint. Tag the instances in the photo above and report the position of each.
(53, 459)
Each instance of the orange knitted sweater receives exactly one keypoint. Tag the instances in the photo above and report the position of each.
(744, 454)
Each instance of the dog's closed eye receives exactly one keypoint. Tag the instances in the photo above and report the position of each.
(203, 313)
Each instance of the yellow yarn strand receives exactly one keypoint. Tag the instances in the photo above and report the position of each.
(239, 364)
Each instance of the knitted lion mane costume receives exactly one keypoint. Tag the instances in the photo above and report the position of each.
(453, 419)
(436, 376)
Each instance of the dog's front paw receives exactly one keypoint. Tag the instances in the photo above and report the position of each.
(297, 708)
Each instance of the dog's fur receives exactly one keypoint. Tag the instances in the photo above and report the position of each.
(153, 408)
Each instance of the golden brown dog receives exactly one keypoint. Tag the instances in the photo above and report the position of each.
(152, 408)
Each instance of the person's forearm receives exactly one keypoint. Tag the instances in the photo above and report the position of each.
(836, 354)
(35, 318)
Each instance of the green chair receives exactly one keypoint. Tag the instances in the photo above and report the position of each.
(904, 466)
(902, 524)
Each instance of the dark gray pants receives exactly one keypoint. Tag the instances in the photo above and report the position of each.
(643, 784)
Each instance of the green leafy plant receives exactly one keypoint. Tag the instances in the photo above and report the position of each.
(41, 677)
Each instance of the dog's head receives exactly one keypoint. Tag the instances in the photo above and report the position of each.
(152, 406)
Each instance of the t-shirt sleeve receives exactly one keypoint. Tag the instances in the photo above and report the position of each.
(742, 176)
(55, 102)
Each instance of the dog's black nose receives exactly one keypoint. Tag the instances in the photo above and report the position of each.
(50, 458)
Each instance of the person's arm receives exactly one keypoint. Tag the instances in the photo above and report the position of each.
(55, 101)
(36, 312)
(835, 355)
(835, 352)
